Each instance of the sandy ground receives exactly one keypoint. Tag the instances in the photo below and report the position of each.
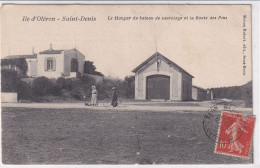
(132, 106)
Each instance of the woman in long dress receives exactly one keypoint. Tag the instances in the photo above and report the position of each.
(114, 97)
(94, 97)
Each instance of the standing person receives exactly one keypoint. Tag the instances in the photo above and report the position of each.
(234, 136)
(94, 97)
(114, 97)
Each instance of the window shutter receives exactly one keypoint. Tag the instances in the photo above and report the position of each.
(54, 64)
(45, 64)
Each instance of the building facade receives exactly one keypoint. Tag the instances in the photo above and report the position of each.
(160, 78)
(201, 94)
(54, 63)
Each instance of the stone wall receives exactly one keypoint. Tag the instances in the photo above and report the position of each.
(8, 97)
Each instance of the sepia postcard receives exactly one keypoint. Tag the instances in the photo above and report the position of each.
(127, 84)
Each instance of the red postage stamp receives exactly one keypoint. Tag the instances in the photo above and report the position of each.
(235, 134)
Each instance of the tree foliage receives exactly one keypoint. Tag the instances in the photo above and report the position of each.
(129, 87)
(243, 92)
(9, 80)
(233, 92)
(18, 62)
(90, 68)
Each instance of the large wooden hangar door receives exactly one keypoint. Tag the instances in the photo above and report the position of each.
(158, 87)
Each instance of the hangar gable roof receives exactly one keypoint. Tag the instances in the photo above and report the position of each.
(159, 55)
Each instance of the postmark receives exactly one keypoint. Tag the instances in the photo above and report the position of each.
(211, 123)
(235, 134)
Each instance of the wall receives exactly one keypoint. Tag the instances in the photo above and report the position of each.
(72, 53)
(194, 93)
(59, 65)
(32, 67)
(209, 95)
(151, 69)
(8, 97)
(202, 94)
(199, 94)
(186, 87)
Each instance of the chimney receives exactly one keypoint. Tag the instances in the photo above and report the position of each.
(50, 46)
(33, 53)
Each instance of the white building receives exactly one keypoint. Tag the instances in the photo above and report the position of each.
(54, 63)
(160, 78)
(201, 94)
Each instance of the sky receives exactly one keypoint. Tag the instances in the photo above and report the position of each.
(210, 50)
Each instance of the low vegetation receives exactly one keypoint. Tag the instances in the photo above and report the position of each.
(243, 92)
(44, 89)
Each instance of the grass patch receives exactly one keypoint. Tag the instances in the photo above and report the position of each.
(87, 136)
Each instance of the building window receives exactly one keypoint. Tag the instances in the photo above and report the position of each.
(74, 65)
(50, 64)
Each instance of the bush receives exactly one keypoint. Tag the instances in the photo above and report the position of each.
(129, 87)
(80, 87)
(24, 91)
(61, 83)
(105, 88)
(42, 86)
(9, 80)
(86, 82)
(78, 94)
(77, 88)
